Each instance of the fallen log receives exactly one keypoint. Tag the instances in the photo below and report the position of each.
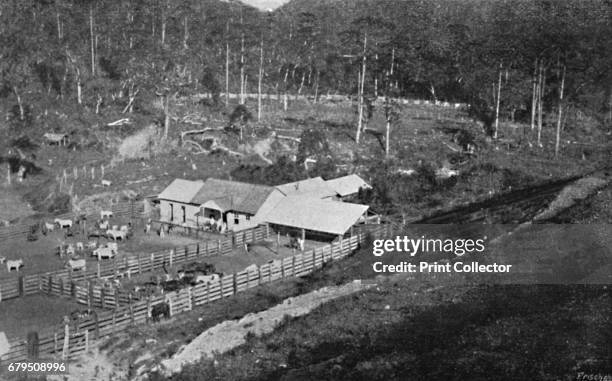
(192, 132)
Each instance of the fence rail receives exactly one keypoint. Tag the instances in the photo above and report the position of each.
(71, 341)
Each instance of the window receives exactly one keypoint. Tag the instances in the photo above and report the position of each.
(184, 213)
(236, 220)
(171, 212)
(248, 218)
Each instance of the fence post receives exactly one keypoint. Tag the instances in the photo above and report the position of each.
(86, 340)
(171, 255)
(152, 262)
(131, 308)
(97, 327)
(33, 345)
(20, 285)
(103, 297)
(61, 282)
(98, 270)
(234, 285)
(218, 247)
(169, 301)
(206, 249)
(66, 347)
(190, 305)
(139, 264)
(93, 174)
(198, 249)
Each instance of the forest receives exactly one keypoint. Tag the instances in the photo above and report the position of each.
(517, 60)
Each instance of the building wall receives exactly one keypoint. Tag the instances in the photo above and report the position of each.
(190, 211)
(244, 221)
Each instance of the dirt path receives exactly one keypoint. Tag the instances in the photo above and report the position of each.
(230, 334)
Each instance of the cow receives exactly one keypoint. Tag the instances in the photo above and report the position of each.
(63, 223)
(104, 252)
(251, 268)
(48, 227)
(116, 234)
(14, 264)
(76, 264)
(160, 310)
(105, 214)
(205, 278)
(106, 183)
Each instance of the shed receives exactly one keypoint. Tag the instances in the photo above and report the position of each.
(316, 215)
(347, 185)
(59, 139)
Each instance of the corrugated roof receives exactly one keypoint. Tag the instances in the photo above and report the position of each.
(332, 217)
(233, 195)
(347, 185)
(315, 187)
(181, 190)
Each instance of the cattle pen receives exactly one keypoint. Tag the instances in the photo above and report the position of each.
(70, 341)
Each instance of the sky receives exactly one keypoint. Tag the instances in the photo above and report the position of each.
(265, 4)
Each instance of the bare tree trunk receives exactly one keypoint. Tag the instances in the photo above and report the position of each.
(91, 35)
(164, 22)
(79, 90)
(361, 87)
(301, 84)
(166, 117)
(558, 137)
(540, 101)
(497, 101)
(59, 26)
(534, 95)
(259, 80)
(185, 33)
(227, 73)
(316, 94)
(242, 69)
(20, 104)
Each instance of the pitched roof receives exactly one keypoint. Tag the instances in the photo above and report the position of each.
(315, 187)
(347, 185)
(332, 217)
(233, 195)
(181, 190)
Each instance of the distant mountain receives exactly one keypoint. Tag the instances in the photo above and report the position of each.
(265, 5)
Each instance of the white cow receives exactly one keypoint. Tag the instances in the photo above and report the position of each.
(116, 234)
(80, 246)
(103, 225)
(251, 268)
(106, 214)
(2, 259)
(206, 278)
(63, 223)
(107, 251)
(92, 244)
(106, 183)
(14, 264)
(49, 226)
(76, 264)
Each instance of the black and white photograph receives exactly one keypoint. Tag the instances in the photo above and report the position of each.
(257, 190)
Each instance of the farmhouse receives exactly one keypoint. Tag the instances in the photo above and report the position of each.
(347, 187)
(196, 203)
(310, 206)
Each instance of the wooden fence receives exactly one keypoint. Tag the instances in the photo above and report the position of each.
(76, 284)
(70, 341)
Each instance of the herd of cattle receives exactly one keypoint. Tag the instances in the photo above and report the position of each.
(74, 254)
